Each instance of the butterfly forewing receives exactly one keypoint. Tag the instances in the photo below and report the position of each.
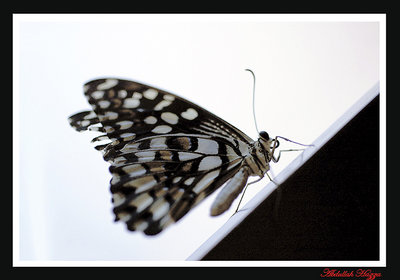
(166, 153)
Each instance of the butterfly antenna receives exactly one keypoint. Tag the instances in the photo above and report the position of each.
(254, 97)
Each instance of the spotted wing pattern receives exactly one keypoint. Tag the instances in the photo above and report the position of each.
(166, 153)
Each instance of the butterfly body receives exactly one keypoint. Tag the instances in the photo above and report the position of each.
(166, 153)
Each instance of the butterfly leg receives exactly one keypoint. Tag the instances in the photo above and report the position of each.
(276, 144)
(276, 159)
(241, 197)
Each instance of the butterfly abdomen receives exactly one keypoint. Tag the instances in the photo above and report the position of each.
(230, 191)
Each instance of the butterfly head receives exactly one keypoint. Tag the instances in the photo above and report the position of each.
(267, 144)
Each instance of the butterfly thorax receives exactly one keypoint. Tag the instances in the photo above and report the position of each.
(259, 157)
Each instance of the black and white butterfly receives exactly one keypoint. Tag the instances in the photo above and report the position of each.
(166, 153)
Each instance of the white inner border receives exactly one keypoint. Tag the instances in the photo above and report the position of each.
(381, 18)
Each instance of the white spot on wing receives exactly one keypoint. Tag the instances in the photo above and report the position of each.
(210, 162)
(131, 103)
(176, 180)
(118, 199)
(206, 181)
(150, 94)
(150, 120)
(146, 155)
(141, 202)
(134, 170)
(166, 221)
(122, 93)
(142, 184)
(140, 225)
(159, 209)
(123, 216)
(190, 114)
(169, 97)
(109, 115)
(184, 156)
(85, 123)
(200, 197)
(189, 181)
(169, 117)
(244, 148)
(119, 160)
(128, 136)
(109, 129)
(137, 95)
(92, 115)
(109, 83)
(104, 104)
(158, 143)
(130, 147)
(162, 104)
(230, 152)
(162, 129)
(115, 179)
(125, 124)
(97, 94)
(207, 146)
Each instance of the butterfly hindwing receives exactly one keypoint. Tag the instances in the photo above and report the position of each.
(178, 178)
(166, 153)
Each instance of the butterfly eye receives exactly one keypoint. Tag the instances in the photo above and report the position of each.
(264, 135)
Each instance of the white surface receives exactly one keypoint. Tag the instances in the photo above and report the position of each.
(308, 74)
(236, 219)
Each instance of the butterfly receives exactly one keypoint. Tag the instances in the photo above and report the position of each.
(166, 153)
